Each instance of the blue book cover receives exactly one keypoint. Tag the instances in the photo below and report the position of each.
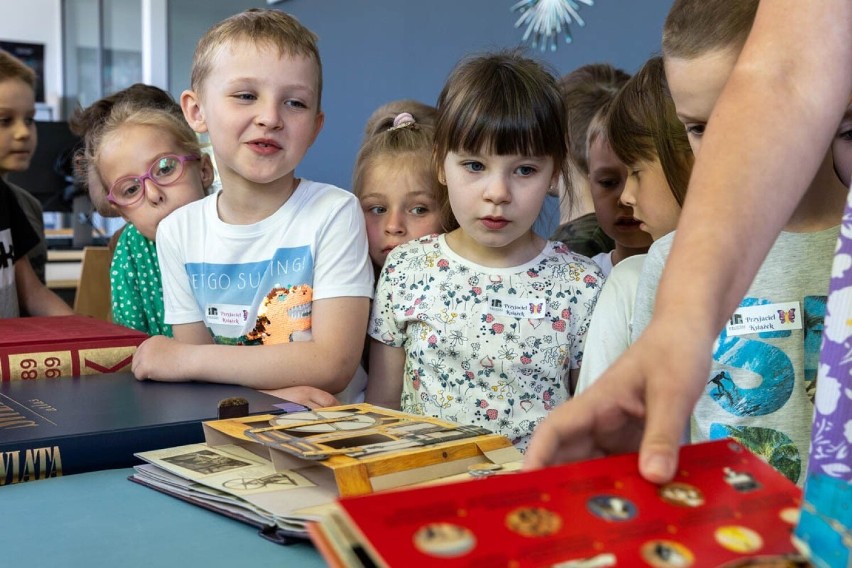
(61, 426)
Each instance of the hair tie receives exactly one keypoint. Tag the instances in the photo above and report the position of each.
(402, 120)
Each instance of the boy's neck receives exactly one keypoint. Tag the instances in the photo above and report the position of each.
(243, 203)
(822, 206)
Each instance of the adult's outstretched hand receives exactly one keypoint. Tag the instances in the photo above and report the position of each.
(643, 402)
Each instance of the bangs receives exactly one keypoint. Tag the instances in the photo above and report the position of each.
(503, 110)
(498, 124)
(631, 142)
(630, 125)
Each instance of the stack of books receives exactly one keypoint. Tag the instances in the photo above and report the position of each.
(279, 473)
(55, 426)
(63, 346)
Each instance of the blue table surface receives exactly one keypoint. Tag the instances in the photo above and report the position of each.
(102, 519)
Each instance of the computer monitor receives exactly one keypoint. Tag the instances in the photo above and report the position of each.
(50, 177)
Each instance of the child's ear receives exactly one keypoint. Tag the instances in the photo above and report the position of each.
(554, 183)
(318, 124)
(207, 172)
(192, 111)
(442, 177)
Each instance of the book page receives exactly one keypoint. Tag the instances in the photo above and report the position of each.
(230, 469)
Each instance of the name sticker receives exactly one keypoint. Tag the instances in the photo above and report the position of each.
(785, 316)
(514, 307)
(227, 314)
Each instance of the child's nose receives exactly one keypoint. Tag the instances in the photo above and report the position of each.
(22, 130)
(394, 223)
(269, 116)
(497, 190)
(153, 192)
(628, 194)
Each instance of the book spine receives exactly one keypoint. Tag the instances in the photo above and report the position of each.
(44, 458)
(89, 358)
(30, 464)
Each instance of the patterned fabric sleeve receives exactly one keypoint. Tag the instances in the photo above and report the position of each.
(588, 288)
(383, 322)
(823, 529)
(127, 305)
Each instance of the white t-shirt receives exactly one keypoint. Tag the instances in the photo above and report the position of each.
(609, 332)
(604, 260)
(253, 284)
(490, 347)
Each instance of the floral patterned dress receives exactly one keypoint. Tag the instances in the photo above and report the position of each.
(485, 346)
(825, 525)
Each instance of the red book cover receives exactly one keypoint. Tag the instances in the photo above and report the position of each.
(724, 506)
(58, 346)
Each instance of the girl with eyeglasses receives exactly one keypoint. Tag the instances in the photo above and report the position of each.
(150, 163)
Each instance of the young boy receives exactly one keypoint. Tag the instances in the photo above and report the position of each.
(271, 259)
(20, 288)
(584, 91)
(760, 388)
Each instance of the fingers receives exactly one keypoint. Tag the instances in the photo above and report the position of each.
(311, 397)
(669, 407)
(566, 435)
(543, 444)
(323, 399)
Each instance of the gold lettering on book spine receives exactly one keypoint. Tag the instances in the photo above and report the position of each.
(9, 419)
(106, 359)
(45, 364)
(36, 463)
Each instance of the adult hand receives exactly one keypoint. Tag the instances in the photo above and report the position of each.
(643, 401)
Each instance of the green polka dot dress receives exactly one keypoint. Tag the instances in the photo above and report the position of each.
(137, 290)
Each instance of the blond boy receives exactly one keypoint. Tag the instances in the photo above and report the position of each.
(272, 259)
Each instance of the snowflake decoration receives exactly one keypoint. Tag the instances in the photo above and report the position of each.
(547, 19)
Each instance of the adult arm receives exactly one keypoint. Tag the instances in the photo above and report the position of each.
(765, 140)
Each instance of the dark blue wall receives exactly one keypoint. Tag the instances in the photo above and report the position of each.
(374, 51)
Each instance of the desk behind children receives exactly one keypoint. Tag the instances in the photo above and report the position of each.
(102, 519)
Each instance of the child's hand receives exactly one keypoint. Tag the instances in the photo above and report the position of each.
(311, 397)
(158, 359)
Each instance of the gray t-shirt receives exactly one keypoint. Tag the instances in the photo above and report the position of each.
(763, 376)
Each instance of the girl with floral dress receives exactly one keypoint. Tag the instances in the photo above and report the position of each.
(485, 325)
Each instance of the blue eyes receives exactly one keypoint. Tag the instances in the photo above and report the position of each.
(381, 210)
(249, 97)
(476, 167)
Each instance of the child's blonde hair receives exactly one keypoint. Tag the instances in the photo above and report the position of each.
(598, 128)
(643, 125)
(13, 68)
(85, 121)
(260, 27)
(408, 144)
(168, 119)
(501, 103)
(695, 27)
